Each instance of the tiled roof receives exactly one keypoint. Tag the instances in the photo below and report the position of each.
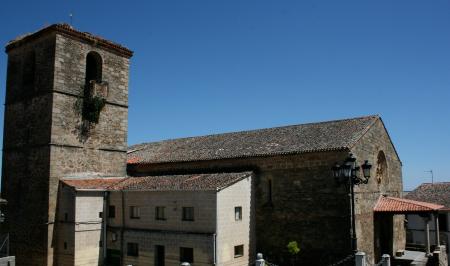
(66, 29)
(398, 205)
(438, 193)
(312, 137)
(192, 182)
(92, 183)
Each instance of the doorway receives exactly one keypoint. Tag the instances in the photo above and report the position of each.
(159, 255)
(383, 235)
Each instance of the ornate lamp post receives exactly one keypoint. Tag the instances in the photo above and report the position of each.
(349, 174)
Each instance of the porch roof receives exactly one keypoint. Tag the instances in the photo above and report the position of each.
(397, 205)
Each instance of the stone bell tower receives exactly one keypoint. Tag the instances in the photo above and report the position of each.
(66, 114)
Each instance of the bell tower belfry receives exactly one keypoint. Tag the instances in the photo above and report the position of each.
(66, 114)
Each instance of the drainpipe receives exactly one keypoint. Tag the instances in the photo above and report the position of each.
(214, 248)
(105, 222)
(427, 220)
(122, 228)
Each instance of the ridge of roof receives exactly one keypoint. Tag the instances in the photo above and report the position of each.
(68, 30)
(322, 136)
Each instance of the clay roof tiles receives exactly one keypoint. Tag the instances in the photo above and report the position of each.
(312, 137)
(68, 30)
(190, 182)
(438, 193)
(398, 205)
(91, 183)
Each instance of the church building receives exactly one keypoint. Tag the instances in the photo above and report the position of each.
(78, 195)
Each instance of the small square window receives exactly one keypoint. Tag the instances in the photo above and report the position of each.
(135, 212)
(238, 251)
(187, 255)
(132, 249)
(238, 213)
(112, 211)
(188, 213)
(160, 213)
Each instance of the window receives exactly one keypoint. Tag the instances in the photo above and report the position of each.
(187, 255)
(112, 211)
(100, 243)
(188, 213)
(133, 249)
(65, 245)
(238, 251)
(159, 213)
(135, 212)
(100, 214)
(443, 225)
(93, 68)
(238, 213)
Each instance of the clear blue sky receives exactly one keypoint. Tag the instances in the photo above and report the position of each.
(203, 67)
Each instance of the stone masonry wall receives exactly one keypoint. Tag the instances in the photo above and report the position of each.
(26, 153)
(368, 148)
(44, 137)
(103, 149)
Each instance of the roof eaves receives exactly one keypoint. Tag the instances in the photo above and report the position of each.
(269, 154)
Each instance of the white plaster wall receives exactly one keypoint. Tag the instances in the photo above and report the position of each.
(88, 226)
(231, 233)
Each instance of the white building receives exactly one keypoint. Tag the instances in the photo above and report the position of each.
(204, 219)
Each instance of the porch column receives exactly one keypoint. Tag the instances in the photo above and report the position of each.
(427, 232)
(436, 226)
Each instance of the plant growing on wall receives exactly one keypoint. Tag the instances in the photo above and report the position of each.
(92, 108)
(293, 250)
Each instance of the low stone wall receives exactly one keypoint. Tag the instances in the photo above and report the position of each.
(8, 261)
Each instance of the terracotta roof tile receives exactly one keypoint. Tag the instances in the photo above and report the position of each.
(398, 205)
(91, 183)
(312, 137)
(192, 182)
(66, 29)
(438, 193)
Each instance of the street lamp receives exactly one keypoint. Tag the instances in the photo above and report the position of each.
(348, 174)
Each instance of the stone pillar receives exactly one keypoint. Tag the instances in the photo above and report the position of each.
(360, 259)
(436, 227)
(427, 235)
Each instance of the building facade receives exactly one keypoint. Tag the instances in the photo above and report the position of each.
(50, 128)
(157, 220)
(66, 119)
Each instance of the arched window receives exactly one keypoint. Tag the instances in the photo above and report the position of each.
(381, 173)
(93, 67)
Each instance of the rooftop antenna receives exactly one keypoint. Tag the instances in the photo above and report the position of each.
(432, 177)
(71, 18)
